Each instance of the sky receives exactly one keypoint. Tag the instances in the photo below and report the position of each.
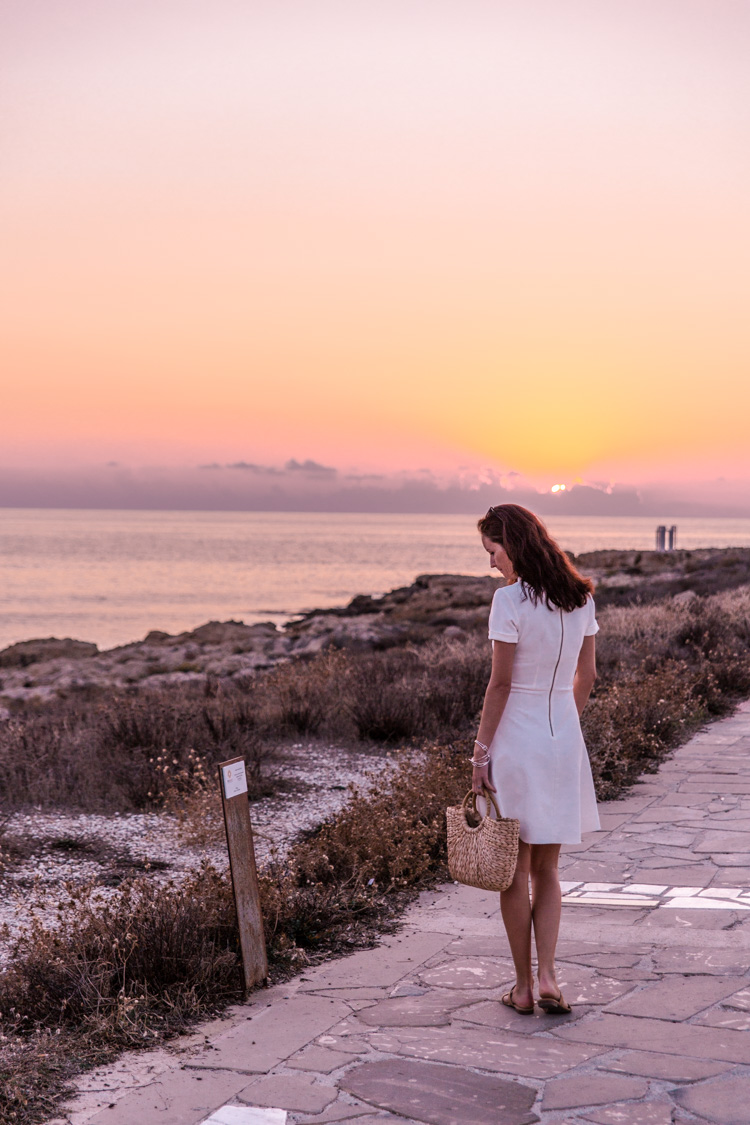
(452, 245)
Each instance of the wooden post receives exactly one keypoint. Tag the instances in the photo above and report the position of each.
(233, 782)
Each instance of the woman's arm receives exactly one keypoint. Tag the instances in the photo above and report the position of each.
(495, 698)
(585, 676)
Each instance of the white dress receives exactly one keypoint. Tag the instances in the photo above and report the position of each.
(539, 764)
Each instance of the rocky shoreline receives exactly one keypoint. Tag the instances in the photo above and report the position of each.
(434, 604)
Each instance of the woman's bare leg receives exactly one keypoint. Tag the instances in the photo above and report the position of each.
(546, 906)
(516, 911)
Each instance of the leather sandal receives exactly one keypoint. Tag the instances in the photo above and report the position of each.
(554, 1005)
(510, 1003)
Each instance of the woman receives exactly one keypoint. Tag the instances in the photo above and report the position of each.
(529, 748)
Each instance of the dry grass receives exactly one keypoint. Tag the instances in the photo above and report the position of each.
(664, 669)
(139, 965)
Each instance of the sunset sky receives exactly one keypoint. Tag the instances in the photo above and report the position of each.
(472, 237)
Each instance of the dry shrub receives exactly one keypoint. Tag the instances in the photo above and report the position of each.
(407, 695)
(632, 726)
(116, 972)
(302, 699)
(131, 964)
(36, 1070)
(142, 963)
(110, 754)
(665, 668)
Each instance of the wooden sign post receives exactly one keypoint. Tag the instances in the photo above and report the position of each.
(239, 831)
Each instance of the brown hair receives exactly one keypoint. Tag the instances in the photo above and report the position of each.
(543, 568)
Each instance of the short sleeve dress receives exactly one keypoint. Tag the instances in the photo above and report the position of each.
(539, 764)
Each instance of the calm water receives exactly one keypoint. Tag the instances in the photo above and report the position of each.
(110, 577)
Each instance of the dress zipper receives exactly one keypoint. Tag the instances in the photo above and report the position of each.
(554, 674)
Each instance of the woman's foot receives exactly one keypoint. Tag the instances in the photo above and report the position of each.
(554, 1004)
(551, 999)
(522, 1002)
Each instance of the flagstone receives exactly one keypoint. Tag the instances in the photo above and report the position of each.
(674, 837)
(350, 994)
(657, 1112)
(269, 1035)
(479, 946)
(603, 913)
(740, 1000)
(493, 1013)
(176, 1098)
(683, 800)
(497, 1051)
(468, 972)
(735, 820)
(676, 998)
(659, 814)
(660, 1035)
(684, 918)
(288, 1092)
(591, 1089)
(441, 1095)
(344, 1111)
(378, 967)
(319, 1059)
(731, 842)
(729, 786)
(725, 1017)
(625, 957)
(699, 960)
(673, 852)
(724, 1101)
(588, 870)
(431, 1010)
(599, 990)
(671, 1068)
(635, 975)
(367, 1117)
(731, 859)
(695, 874)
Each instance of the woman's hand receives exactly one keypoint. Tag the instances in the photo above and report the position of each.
(480, 778)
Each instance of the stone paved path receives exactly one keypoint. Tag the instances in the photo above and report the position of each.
(414, 1030)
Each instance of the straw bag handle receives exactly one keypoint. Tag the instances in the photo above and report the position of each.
(471, 799)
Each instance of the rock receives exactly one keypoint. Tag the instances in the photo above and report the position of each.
(219, 633)
(24, 653)
(685, 597)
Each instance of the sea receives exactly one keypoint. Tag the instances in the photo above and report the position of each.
(112, 576)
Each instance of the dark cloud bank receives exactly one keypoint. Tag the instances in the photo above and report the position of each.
(313, 487)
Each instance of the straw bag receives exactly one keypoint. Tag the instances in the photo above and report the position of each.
(484, 856)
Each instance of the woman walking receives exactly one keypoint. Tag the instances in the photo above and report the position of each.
(529, 748)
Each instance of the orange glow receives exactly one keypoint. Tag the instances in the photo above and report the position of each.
(378, 239)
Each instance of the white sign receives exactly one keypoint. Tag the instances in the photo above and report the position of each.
(235, 781)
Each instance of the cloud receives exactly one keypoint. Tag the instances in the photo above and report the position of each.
(249, 467)
(309, 467)
(244, 486)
